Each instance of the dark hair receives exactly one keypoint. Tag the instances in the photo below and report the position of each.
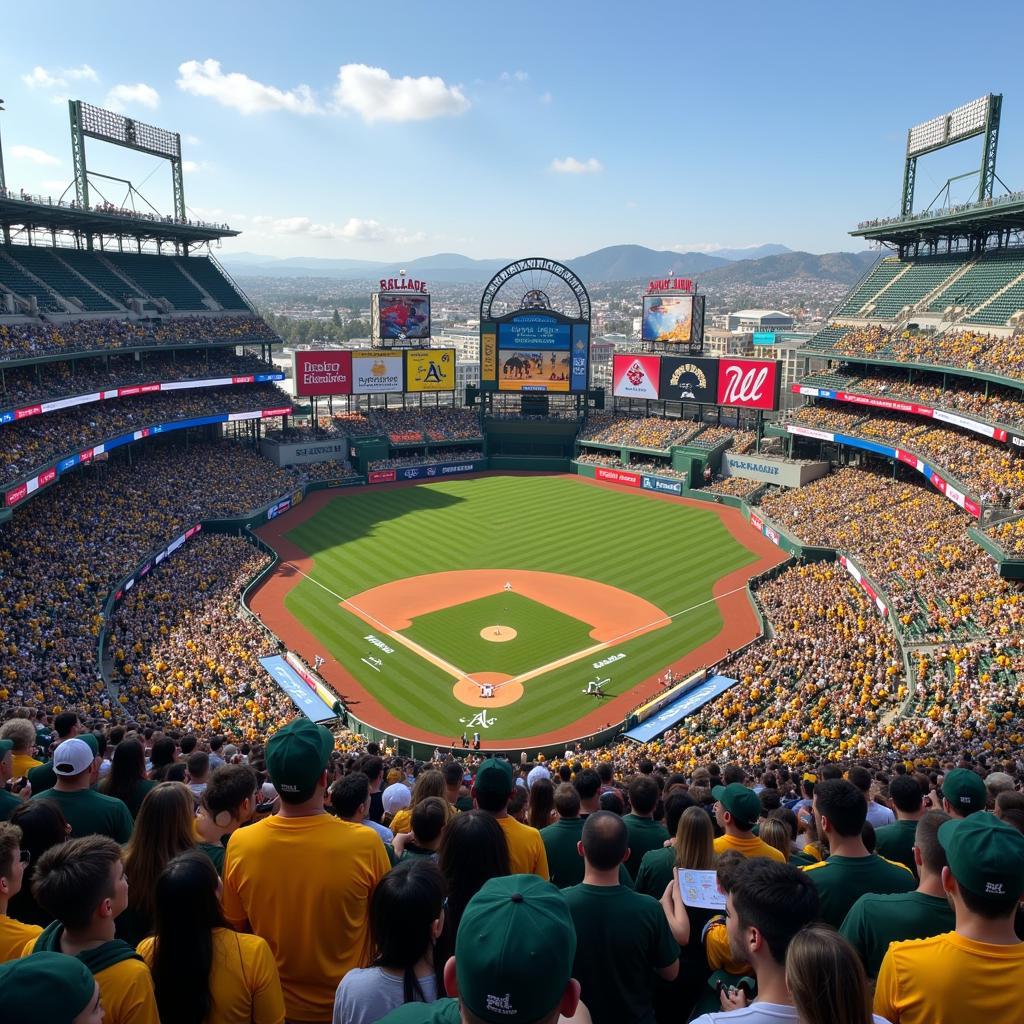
(770, 801)
(727, 867)
(493, 802)
(349, 793)
(229, 786)
(830, 772)
(127, 770)
(605, 840)
(844, 806)
(541, 802)
(733, 773)
(404, 906)
(611, 800)
(867, 836)
(989, 907)
(188, 744)
(198, 763)
(643, 794)
(906, 794)
(70, 880)
(675, 803)
(826, 978)
(605, 771)
(926, 839)
(567, 801)
(776, 899)
(64, 723)
(428, 818)
(162, 752)
(42, 825)
(372, 767)
(473, 850)
(453, 773)
(787, 816)
(860, 777)
(186, 910)
(587, 783)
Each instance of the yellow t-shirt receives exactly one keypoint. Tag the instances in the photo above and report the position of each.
(719, 952)
(244, 984)
(21, 763)
(949, 979)
(402, 821)
(14, 935)
(526, 852)
(304, 885)
(752, 847)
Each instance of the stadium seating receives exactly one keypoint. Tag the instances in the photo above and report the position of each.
(881, 274)
(909, 288)
(159, 277)
(16, 280)
(91, 266)
(988, 275)
(213, 282)
(47, 266)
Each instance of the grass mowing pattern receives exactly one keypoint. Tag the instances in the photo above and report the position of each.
(671, 554)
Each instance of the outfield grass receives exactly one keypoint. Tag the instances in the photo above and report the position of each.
(670, 554)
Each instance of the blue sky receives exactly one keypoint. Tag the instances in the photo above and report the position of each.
(393, 130)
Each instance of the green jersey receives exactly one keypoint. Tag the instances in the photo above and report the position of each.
(9, 803)
(841, 880)
(875, 921)
(90, 813)
(621, 938)
(655, 871)
(896, 842)
(442, 1011)
(565, 865)
(645, 834)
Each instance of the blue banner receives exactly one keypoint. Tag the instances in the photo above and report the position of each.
(533, 331)
(871, 446)
(657, 483)
(293, 685)
(437, 469)
(675, 712)
(580, 356)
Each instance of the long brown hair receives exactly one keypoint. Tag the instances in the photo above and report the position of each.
(164, 828)
(695, 840)
(826, 978)
(542, 803)
(776, 834)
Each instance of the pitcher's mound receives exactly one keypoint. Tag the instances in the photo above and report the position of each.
(498, 634)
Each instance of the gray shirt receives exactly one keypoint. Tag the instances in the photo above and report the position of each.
(368, 993)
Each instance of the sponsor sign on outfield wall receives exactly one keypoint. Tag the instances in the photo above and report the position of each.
(377, 373)
(322, 373)
(636, 376)
(617, 476)
(689, 380)
(749, 383)
(425, 472)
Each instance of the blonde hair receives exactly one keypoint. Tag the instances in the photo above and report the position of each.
(21, 732)
(826, 979)
(695, 840)
(777, 835)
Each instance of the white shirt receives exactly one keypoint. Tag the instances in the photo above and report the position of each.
(879, 815)
(761, 1013)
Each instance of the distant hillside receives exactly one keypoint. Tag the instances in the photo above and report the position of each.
(755, 252)
(844, 268)
(636, 262)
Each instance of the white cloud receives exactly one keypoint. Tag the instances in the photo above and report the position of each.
(570, 165)
(40, 78)
(355, 229)
(192, 140)
(190, 166)
(514, 76)
(54, 186)
(241, 92)
(375, 96)
(33, 155)
(138, 95)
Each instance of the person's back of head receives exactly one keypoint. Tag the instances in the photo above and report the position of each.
(646, 766)
(65, 724)
(198, 765)
(675, 804)
(611, 800)
(605, 772)
(350, 793)
(226, 793)
(429, 817)
(906, 795)
(567, 801)
(188, 744)
(788, 818)
(695, 840)
(186, 909)
(776, 834)
(77, 879)
(1010, 808)
(826, 978)
(931, 856)
(372, 767)
(842, 805)
(984, 873)
(453, 774)
(830, 772)
(127, 770)
(771, 800)
(860, 777)
(771, 902)
(643, 795)
(605, 840)
(587, 783)
(733, 773)
(162, 752)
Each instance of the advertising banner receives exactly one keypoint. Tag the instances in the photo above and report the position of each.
(768, 469)
(691, 701)
(580, 356)
(661, 485)
(430, 369)
(636, 376)
(302, 695)
(404, 317)
(749, 383)
(380, 476)
(533, 331)
(377, 373)
(617, 476)
(667, 318)
(322, 373)
(425, 472)
(689, 380)
(488, 354)
(279, 508)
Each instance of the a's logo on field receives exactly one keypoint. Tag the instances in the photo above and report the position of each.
(479, 721)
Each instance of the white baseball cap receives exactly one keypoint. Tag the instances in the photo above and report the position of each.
(537, 772)
(72, 757)
(396, 797)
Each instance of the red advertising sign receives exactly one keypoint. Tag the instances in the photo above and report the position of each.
(749, 383)
(380, 476)
(756, 522)
(15, 495)
(636, 376)
(323, 373)
(617, 476)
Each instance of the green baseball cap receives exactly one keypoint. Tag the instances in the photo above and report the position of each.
(6, 746)
(52, 987)
(93, 743)
(297, 754)
(494, 776)
(965, 791)
(985, 855)
(743, 804)
(514, 950)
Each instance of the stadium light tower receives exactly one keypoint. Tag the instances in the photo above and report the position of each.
(3, 180)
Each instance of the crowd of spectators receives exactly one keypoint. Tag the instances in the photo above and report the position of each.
(434, 459)
(1009, 535)
(443, 424)
(711, 436)
(637, 431)
(25, 340)
(736, 486)
(913, 542)
(33, 443)
(592, 458)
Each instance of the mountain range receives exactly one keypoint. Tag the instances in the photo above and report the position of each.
(757, 265)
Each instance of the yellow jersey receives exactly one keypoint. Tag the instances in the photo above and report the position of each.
(244, 984)
(304, 885)
(14, 936)
(949, 979)
(750, 847)
(526, 852)
(21, 763)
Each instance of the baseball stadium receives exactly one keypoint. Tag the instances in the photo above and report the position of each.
(767, 593)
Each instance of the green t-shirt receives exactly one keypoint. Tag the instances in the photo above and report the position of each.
(621, 938)
(655, 871)
(441, 1011)
(215, 851)
(9, 803)
(896, 842)
(565, 865)
(42, 777)
(645, 835)
(842, 880)
(876, 921)
(90, 813)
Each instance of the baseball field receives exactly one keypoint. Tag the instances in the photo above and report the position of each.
(488, 604)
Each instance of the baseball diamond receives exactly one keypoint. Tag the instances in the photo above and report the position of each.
(401, 590)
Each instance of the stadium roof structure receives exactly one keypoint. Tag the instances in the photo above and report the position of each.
(40, 212)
